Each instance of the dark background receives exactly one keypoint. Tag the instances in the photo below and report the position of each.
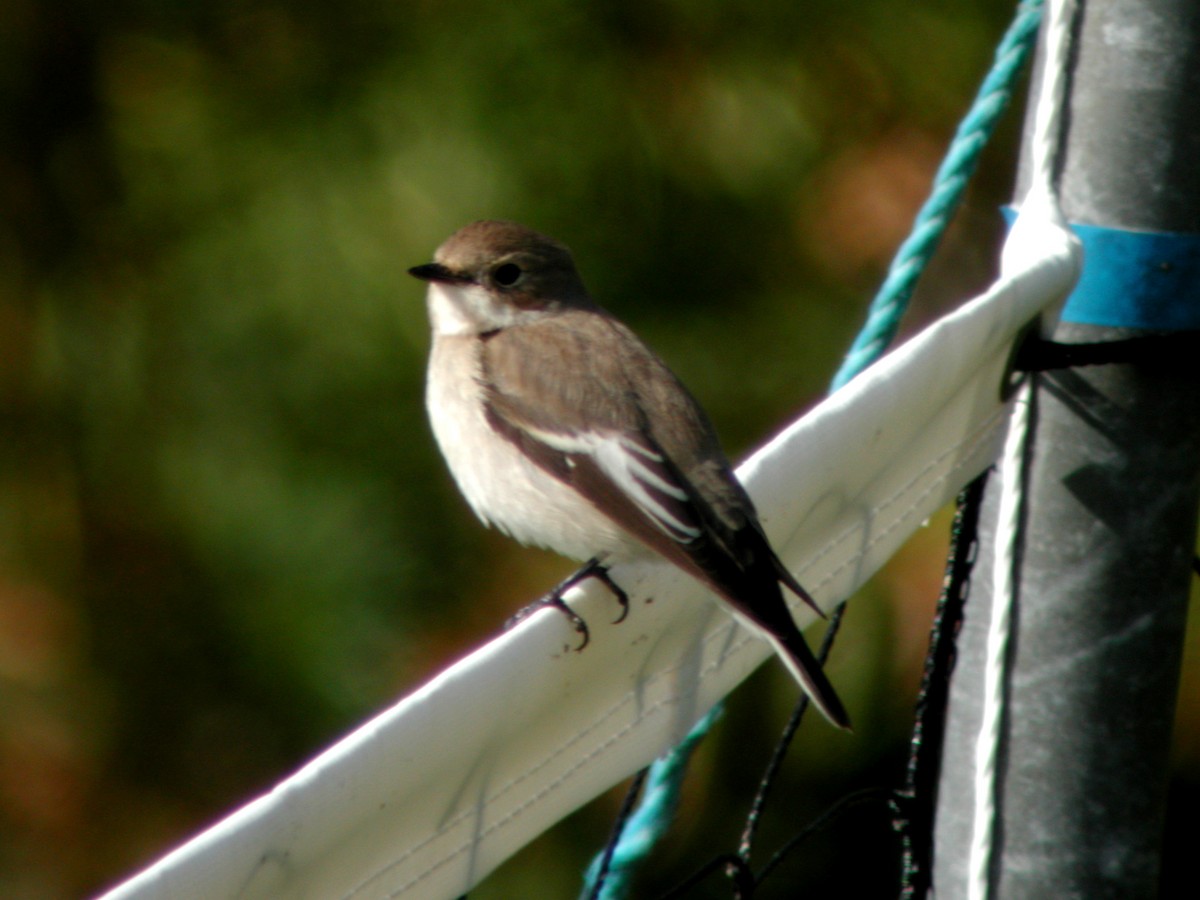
(225, 534)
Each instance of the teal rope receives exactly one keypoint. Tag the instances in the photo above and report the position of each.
(653, 816)
(651, 819)
(883, 317)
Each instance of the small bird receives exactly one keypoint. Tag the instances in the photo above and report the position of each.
(565, 431)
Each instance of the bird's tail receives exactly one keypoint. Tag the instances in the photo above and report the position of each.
(790, 582)
(794, 651)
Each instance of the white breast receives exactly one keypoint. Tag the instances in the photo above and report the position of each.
(502, 485)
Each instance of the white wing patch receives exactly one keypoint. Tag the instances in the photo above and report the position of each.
(638, 471)
(634, 468)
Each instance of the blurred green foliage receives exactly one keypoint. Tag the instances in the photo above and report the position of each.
(225, 535)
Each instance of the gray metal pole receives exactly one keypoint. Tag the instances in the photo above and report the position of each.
(1112, 493)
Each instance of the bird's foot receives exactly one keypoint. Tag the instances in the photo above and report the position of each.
(554, 599)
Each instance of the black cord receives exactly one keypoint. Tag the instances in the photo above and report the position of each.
(745, 845)
(847, 803)
(745, 881)
(913, 806)
(614, 837)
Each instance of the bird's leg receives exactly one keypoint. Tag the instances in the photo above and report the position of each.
(592, 569)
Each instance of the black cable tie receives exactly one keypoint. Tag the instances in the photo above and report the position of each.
(1040, 355)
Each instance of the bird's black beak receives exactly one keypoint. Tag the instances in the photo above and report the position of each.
(435, 272)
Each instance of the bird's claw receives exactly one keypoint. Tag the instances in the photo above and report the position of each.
(601, 574)
(554, 599)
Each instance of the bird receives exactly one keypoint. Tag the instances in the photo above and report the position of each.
(563, 430)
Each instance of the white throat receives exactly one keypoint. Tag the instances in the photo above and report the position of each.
(466, 309)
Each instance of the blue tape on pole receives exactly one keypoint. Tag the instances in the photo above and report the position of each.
(1137, 279)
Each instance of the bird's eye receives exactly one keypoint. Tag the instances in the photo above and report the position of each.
(507, 274)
